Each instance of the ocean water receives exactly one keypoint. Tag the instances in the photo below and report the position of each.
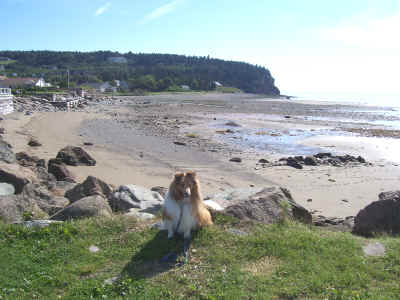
(371, 99)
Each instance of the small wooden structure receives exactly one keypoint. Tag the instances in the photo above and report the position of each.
(6, 101)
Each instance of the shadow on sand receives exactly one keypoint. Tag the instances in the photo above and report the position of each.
(158, 255)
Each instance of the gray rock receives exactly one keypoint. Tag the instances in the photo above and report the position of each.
(6, 189)
(91, 206)
(133, 196)
(265, 205)
(134, 212)
(13, 208)
(60, 171)
(160, 189)
(382, 216)
(17, 176)
(311, 161)
(374, 249)
(6, 153)
(26, 160)
(75, 156)
(236, 159)
(34, 143)
(293, 162)
(233, 124)
(91, 186)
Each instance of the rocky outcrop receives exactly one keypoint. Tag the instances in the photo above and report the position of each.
(91, 186)
(382, 216)
(60, 171)
(75, 156)
(268, 205)
(25, 160)
(133, 196)
(321, 159)
(17, 176)
(91, 206)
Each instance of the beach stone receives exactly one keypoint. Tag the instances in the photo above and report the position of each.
(91, 186)
(13, 207)
(91, 206)
(374, 249)
(323, 155)
(361, 160)
(263, 161)
(6, 153)
(382, 216)
(34, 143)
(160, 189)
(267, 206)
(16, 175)
(2, 130)
(236, 159)
(75, 156)
(310, 161)
(292, 162)
(6, 189)
(26, 160)
(233, 124)
(144, 216)
(60, 170)
(133, 196)
(179, 143)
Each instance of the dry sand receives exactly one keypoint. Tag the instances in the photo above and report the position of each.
(134, 143)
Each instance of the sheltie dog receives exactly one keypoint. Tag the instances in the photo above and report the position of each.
(182, 213)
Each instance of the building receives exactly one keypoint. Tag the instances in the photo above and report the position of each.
(6, 101)
(20, 82)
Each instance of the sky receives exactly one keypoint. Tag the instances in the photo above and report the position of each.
(318, 46)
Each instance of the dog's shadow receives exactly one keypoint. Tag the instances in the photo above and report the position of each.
(158, 255)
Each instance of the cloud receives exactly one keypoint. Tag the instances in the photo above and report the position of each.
(370, 32)
(102, 9)
(161, 11)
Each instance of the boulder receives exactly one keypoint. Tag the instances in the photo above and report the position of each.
(75, 156)
(16, 175)
(133, 196)
(6, 189)
(6, 154)
(34, 143)
(26, 160)
(44, 199)
(310, 161)
(268, 205)
(382, 216)
(293, 162)
(45, 178)
(91, 186)
(91, 206)
(16, 208)
(60, 171)
(160, 189)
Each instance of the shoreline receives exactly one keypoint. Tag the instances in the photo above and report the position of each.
(134, 139)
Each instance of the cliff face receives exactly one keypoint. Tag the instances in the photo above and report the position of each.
(145, 71)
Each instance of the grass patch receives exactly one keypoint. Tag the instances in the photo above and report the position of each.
(7, 62)
(228, 90)
(283, 261)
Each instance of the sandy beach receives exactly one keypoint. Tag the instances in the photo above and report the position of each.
(143, 140)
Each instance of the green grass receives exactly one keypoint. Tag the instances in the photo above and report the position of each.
(286, 261)
(7, 62)
(228, 89)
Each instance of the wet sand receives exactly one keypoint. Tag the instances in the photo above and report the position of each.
(134, 139)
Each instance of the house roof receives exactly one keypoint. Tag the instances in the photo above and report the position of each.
(19, 81)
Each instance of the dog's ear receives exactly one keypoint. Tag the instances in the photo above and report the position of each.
(191, 174)
(179, 176)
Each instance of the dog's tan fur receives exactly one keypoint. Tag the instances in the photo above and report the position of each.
(199, 210)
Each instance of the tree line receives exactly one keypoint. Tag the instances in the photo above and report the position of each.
(152, 72)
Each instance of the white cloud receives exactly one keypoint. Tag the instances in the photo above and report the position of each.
(102, 9)
(161, 11)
